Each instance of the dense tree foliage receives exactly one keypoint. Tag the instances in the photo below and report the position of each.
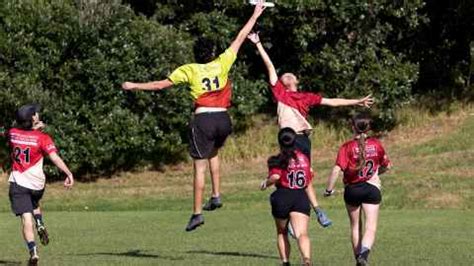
(71, 56)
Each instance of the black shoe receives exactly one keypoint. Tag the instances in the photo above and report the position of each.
(212, 204)
(43, 235)
(362, 258)
(33, 261)
(195, 221)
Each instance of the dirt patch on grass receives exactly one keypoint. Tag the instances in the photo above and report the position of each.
(444, 200)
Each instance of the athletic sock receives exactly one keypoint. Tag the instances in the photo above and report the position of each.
(39, 220)
(31, 245)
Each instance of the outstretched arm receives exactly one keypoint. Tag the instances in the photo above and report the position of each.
(239, 40)
(334, 102)
(272, 75)
(148, 86)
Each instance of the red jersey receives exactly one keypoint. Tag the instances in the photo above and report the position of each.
(347, 160)
(293, 107)
(298, 174)
(28, 147)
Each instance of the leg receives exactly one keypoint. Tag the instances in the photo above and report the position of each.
(28, 227)
(214, 165)
(354, 215)
(282, 239)
(371, 217)
(200, 166)
(300, 223)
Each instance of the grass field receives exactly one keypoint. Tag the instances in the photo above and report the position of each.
(139, 218)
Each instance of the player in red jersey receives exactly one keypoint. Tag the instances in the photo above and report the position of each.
(211, 90)
(28, 146)
(290, 171)
(362, 160)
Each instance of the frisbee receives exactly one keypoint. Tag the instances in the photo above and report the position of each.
(267, 4)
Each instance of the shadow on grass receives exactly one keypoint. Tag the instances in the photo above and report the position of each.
(132, 254)
(9, 262)
(230, 253)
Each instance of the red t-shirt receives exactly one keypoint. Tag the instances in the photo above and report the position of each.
(28, 147)
(300, 101)
(348, 155)
(298, 174)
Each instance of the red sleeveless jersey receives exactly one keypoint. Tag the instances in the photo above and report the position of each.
(297, 175)
(349, 154)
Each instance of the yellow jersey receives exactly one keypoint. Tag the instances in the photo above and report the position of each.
(209, 83)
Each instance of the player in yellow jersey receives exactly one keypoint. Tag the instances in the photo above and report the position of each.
(211, 90)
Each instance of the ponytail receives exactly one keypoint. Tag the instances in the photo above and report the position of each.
(361, 154)
(361, 124)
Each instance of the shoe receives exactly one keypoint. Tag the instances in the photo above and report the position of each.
(33, 261)
(212, 204)
(195, 221)
(362, 258)
(43, 235)
(323, 219)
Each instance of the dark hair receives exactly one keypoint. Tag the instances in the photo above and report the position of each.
(361, 123)
(25, 124)
(286, 139)
(204, 50)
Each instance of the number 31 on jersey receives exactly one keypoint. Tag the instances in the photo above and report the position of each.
(208, 84)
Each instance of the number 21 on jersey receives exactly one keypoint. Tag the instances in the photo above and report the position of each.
(208, 84)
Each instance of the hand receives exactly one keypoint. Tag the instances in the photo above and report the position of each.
(128, 85)
(367, 101)
(257, 12)
(253, 37)
(328, 193)
(69, 182)
(263, 185)
(38, 125)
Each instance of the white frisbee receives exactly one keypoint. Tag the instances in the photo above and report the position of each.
(267, 4)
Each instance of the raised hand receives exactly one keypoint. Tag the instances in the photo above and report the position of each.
(253, 37)
(128, 85)
(259, 8)
(367, 101)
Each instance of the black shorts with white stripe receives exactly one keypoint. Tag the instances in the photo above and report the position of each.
(207, 133)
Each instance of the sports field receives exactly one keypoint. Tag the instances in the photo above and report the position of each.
(139, 218)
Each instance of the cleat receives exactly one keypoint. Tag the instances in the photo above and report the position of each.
(33, 261)
(43, 235)
(323, 219)
(362, 258)
(195, 221)
(212, 204)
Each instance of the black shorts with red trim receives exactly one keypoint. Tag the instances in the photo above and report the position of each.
(356, 194)
(208, 133)
(24, 200)
(285, 200)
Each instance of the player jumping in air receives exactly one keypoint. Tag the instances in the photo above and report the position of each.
(28, 145)
(211, 90)
(290, 172)
(293, 106)
(361, 159)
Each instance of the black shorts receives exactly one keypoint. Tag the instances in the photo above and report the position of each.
(356, 194)
(207, 133)
(24, 200)
(303, 143)
(285, 200)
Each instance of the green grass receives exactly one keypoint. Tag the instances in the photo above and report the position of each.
(139, 218)
(229, 237)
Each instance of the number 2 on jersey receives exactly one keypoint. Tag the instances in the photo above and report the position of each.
(368, 169)
(18, 152)
(296, 179)
(208, 84)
